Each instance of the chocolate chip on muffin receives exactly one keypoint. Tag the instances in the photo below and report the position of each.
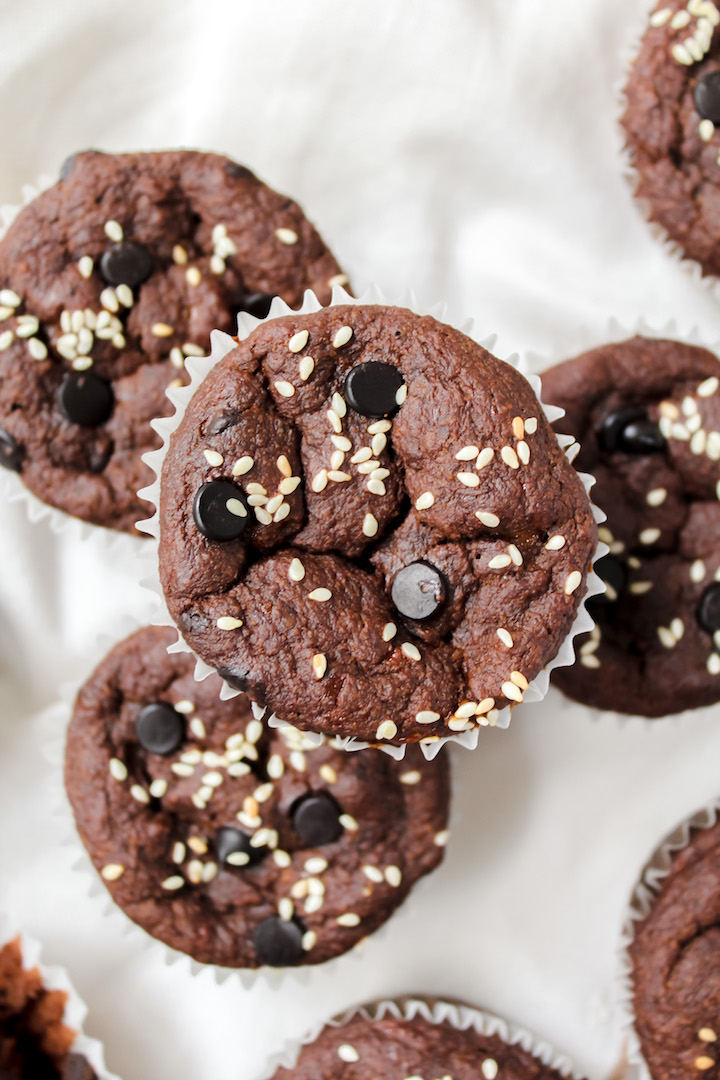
(108, 282)
(647, 416)
(366, 516)
(240, 844)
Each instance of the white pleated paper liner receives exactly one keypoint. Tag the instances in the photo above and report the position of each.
(52, 728)
(199, 367)
(583, 340)
(672, 248)
(56, 978)
(433, 1011)
(642, 901)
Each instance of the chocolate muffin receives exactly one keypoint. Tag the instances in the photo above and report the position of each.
(671, 120)
(397, 1048)
(366, 516)
(647, 416)
(108, 281)
(240, 844)
(35, 1043)
(675, 959)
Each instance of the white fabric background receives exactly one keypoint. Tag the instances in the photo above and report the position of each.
(466, 148)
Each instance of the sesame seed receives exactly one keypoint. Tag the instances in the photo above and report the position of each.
(349, 919)
(440, 839)
(37, 349)
(379, 426)
(659, 18)
(190, 349)
(328, 774)
(706, 1034)
(335, 421)
(379, 474)
(709, 386)
(342, 337)
(82, 364)
(109, 300)
(401, 395)
(321, 595)
(697, 571)
(370, 525)
(523, 452)
(488, 519)
(411, 651)
(298, 341)
(274, 504)
(257, 500)
(173, 883)
(505, 637)
(286, 909)
(162, 329)
(348, 1053)
(6, 312)
(296, 570)
(681, 54)
(555, 543)
(511, 691)
(667, 638)
(680, 20)
(229, 622)
(217, 264)
(158, 788)
(531, 425)
(510, 457)
(308, 940)
(285, 389)
(518, 427)
(319, 665)
(139, 793)
(386, 730)
(118, 769)
(572, 582)
(373, 874)
(703, 1062)
(649, 536)
(515, 554)
(366, 468)
(489, 1068)
(213, 458)
(589, 661)
(519, 679)
(194, 871)
(485, 705)
(282, 512)
(210, 871)
(348, 822)
(112, 871)
(425, 501)
(178, 852)
(341, 442)
(6, 339)
(85, 266)
(375, 487)
(499, 561)
(193, 276)
(286, 236)
(706, 130)
(389, 631)
(316, 865)
(713, 664)
(336, 460)
(379, 442)
(471, 480)
(677, 628)
(313, 903)
(125, 295)
(253, 731)
(8, 298)
(242, 465)
(410, 778)
(306, 367)
(113, 230)
(427, 716)
(319, 481)
(640, 588)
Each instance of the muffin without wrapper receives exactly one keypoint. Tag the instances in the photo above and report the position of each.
(240, 844)
(366, 516)
(108, 281)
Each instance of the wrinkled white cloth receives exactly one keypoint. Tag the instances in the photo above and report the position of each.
(467, 149)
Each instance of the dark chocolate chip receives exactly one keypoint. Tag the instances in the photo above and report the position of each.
(232, 841)
(707, 97)
(418, 591)
(614, 574)
(237, 679)
(85, 399)
(128, 263)
(11, 452)
(223, 421)
(316, 818)
(632, 432)
(256, 303)
(159, 728)
(211, 510)
(278, 942)
(370, 388)
(708, 612)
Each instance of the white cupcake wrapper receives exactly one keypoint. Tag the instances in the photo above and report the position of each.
(582, 342)
(460, 1016)
(642, 901)
(57, 978)
(672, 248)
(52, 725)
(198, 369)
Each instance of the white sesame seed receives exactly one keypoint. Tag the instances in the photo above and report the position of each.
(697, 571)
(523, 452)
(306, 367)
(373, 874)
(274, 504)
(348, 1053)
(286, 236)
(162, 330)
(348, 822)
(328, 774)
(427, 716)
(410, 778)
(319, 665)
(125, 295)
(285, 389)
(6, 339)
(515, 554)
(519, 679)
(109, 301)
(649, 536)
(680, 19)
(288, 485)
(488, 519)
(349, 919)
(9, 298)
(190, 349)
(659, 18)
(336, 460)
(37, 349)
(210, 871)
(518, 427)
(375, 487)
(257, 500)
(440, 839)
(118, 769)
(370, 525)
(386, 730)
(425, 501)
(411, 651)
(681, 54)
(6, 312)
(173, 883)
(212, 779)
(484, 457)
(379, 474)
(573, 581)
(366, 468)
(321, 595)
(112, 871)
(213, 458)
(253, 731)
(158, 788)
(286, 909)
(389, 631)
(217, 264)
(510, 457)
(640, 588)
(667, 638)
(489, 1068)
(113, 231)
(713, 664)
(316, 865)
(656, 497)
(379, 442)
(313, 903)
(471, 480)
(194, 871)
(193, 276)
(338, 477)
(709, 386)
(192, 757)
(706, 130)
(511, 691)
(236, 507)
(296, 570)
(178, 852)
(228, 622)
(677, 628)
(531, 425)
(27, 325)
(298, 341)
(379, 427)
(85, 266)
(82, 364)
(341, 443)
(505, 637)
(319, 481)
(342, 337)
(707, 1035)
(555, 543)
(498, 562)
(139, 793)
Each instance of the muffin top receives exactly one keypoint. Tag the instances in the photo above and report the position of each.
(35, 1044)
(237, 843)
(108, 281)
(675, 957)
(647, 416)
(670, 123)
(366, 516)
(396, 1049)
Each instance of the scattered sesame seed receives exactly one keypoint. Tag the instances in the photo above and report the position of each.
(523, 452)
(285, 389)
(286, 236)
(375, 487)
(85, 266)
(640, 588)
(348, 1053)
(6, 339)
(319, 665)
(484, 457)
(518, 427)
(342, 337)
(298, 341)
(286, 909)
(8, 298)
(379, 442)
(336, 460)
(109, 300)
(306, 367)
(373, 874)
(193, 276)
(313, 903)
(709, 386)
(288, 485)
(411, 651)
(190, 349)
(531, 425)
(217, 264)
(697, 571)
(519, 679)
(573, 581)
(370, 525)
(386, 730)
(349, 919)
(489, 1068)
(659, 18)
(440, 839)
(667, 638)
(425, 501)
(139, 793)
(515, 554)
(707, 1034)
(401, 395)
(338, 477)
(499, 561)
(316, 865)
(113, 231)
(173, 883)
(158, 788)
(328, 774)
(296, 570)
(366, 468)
(118, 769)
(649, 536)
(379, 427)
(282, 512)
(488, 519)
(471, 480)
(706, 130)
(125, 295)
(681, 54)
(348, 822)
(703, 1062)
(229, 622)
(178, 852)
(213, 458)
(6, 312)
(555, 543)
(273, 504)
(321, 595)
(242, 465)
(505, 637)
(510, 457)
(677, 628)
(161, 329)
(112, 871)
(410, 778)
(427, 716)
(319, 481)
(511, 691)
(713, 664)
(389, 631)
(341, 442)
